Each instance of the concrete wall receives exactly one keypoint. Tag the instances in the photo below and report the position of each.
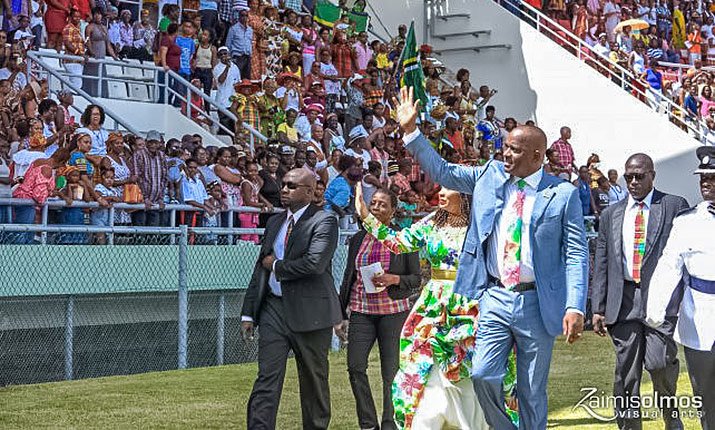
(539, 80)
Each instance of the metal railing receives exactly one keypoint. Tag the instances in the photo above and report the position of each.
(604, 65)
(33, 58)
(158, 88)
(619, 75)
(172, 210)
(182, 310)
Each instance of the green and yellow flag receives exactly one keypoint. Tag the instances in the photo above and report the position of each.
(326, 13)
(412, 74)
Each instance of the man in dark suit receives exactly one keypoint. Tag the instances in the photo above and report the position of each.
(292, 298)
(631, 238)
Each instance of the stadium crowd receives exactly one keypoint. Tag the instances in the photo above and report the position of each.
(321, 92)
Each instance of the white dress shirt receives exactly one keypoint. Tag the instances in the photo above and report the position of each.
(495, 260)
(279, 247)
(629, 231)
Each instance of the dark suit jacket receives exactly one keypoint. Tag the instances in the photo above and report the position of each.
(310, 301)
(607, 294)
(405, 265)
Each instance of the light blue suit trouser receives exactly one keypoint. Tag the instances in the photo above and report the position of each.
(506, 317)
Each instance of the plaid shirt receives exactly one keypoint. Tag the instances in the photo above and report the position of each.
(247, 109)
(373, 96)
(295, 5)
(416, 171)
(73, 41)
(228, 9)
(342, 59)
(566, 157)
(372, 251)
(152, 172)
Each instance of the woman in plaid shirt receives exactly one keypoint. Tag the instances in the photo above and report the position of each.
(376, 309)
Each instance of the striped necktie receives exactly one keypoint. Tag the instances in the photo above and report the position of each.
(638, 243)
(289, 230)
(512, 248)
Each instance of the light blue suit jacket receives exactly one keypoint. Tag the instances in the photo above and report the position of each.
(558, 238)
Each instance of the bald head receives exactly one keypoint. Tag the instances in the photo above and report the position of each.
(298, 189)
(524, 150)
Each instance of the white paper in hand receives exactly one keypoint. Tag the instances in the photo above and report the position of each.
(368, 272)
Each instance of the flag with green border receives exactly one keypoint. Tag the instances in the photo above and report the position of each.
(412, 75)
(326, 13)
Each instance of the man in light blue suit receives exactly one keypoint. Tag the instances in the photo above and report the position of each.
(528, 297)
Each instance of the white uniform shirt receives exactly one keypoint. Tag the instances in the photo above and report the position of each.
(691, 247)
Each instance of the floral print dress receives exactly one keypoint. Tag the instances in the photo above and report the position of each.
(441, 328)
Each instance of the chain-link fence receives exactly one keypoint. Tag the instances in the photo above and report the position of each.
(155, 299)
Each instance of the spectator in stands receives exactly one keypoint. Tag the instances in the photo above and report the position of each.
(170, 14)
(565, 151)
(201, 156)
(123, 177)
(612, 14)
(230, 178)
(362, 53)
(286, 132)
(38, 184)
(304, 122)
(245, 104)
(170, 59)
(269, 106)
(583, 182)
(600, 195)
(98, 47)
(92, 120)
(208, 11)
(339, 191)
(271, 185)
(150, 167)
(5, 178)
(342, 54)
(240, 42)
(709, 131)
(332, 81)
(452, 133)
(356, 146)
(57, 14)
(616, 193)
(185, 42)
(654, 89)
(707, 103)
(73, 191)
(250, 190)
(400, 179)
(15, 72)
(227, 75)
(194, 193)
(125, 46)
(333, 134)
(205, 60)
(144, 34)
(289, 92)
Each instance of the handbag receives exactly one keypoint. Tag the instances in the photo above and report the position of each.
(133, 194)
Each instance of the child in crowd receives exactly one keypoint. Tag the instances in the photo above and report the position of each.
(73, 191)
(111, 194)
(215, 204)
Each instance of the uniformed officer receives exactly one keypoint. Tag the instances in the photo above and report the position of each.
(690, 256)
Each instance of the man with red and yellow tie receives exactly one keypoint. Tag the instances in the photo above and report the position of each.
(631, 238)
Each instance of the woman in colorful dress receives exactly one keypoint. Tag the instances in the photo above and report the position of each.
(274, 41)
(433, 388)
(260, 43)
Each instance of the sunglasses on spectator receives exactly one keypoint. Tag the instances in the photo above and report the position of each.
(293, 185)
(637, 176)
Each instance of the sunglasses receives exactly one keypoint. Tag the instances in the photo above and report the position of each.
(637, 176)
(292, 185)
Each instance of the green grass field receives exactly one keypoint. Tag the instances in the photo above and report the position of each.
(216, 397)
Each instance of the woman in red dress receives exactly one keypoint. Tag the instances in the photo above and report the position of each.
(55, 20)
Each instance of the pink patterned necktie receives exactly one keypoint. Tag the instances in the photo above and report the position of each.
(512, 248)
